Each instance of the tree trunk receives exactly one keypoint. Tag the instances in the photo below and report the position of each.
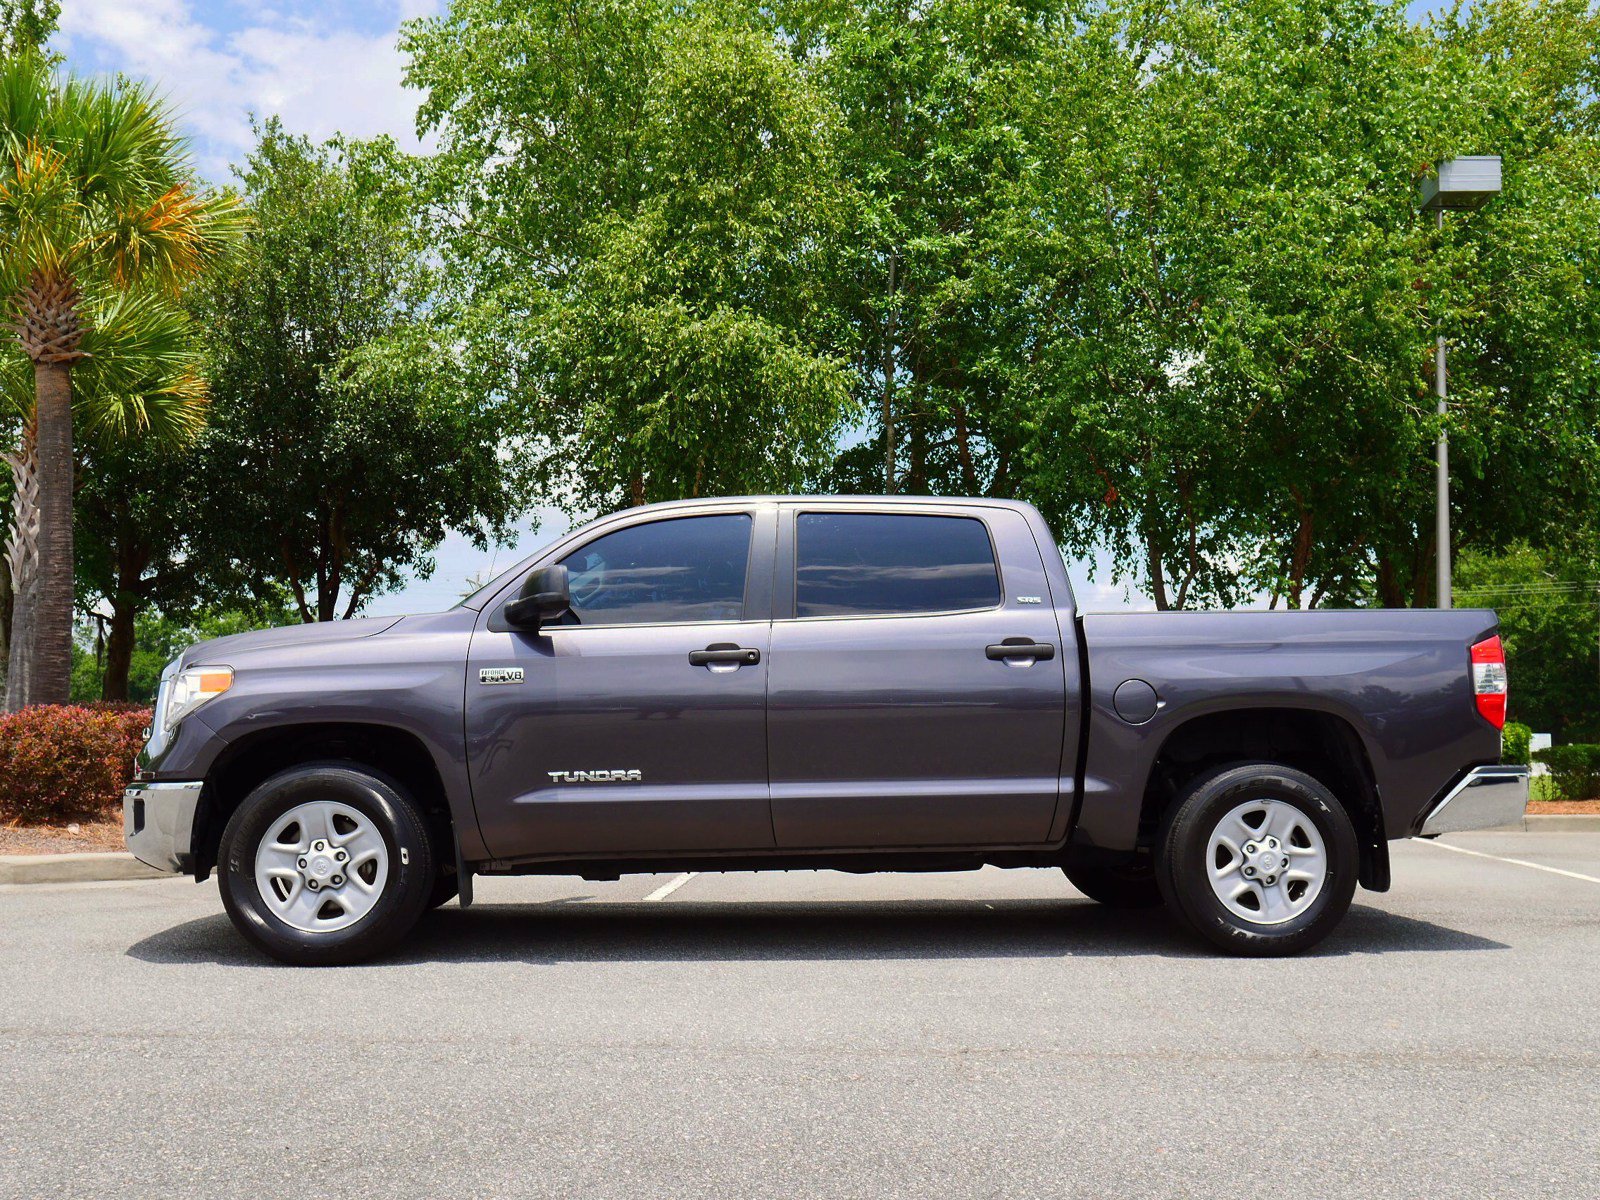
(1301, 559)
(119, 652)
(1389, 591)
(1158, 576)
(51, 680)
(22, 558)
(5, 619)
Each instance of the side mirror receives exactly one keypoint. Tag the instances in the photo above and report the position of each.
(544, 595)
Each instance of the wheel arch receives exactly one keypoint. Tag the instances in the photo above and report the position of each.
(1324, 745)
(384, 749)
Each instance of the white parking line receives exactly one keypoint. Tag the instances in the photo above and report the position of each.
(1514, 861)
(672, 885)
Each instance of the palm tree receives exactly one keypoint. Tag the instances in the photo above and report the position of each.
(140, 378)
(96, 199)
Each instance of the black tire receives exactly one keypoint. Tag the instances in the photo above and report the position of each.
(1183, 848)
(401, 899)
(1122, 885)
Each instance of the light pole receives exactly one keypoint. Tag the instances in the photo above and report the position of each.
(1466, 183)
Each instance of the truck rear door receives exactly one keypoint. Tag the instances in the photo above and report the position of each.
(917, 686)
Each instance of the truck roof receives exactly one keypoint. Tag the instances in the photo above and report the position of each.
(868, 500)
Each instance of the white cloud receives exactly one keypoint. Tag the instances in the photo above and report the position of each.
(318, 78)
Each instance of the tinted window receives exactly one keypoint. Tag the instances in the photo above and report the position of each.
(690, 569)
(869, 563)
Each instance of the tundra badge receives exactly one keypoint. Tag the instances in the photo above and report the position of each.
(500, 675)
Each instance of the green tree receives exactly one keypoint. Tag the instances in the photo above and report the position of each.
(141, 548)
(345, 438)
(1158, 269)
(931, 145)
(136, 390)
(158, 639)
(1230, 342)
(638, 204)
(1549, 612)
(26, 25)
(1524, 376)
(96, 202)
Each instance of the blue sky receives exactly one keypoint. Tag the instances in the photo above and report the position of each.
(324, 68)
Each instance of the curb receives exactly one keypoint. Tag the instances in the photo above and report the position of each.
(74, 868)
(1561, 823)
(1549, 823)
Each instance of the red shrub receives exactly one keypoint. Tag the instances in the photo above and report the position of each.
(59, 761)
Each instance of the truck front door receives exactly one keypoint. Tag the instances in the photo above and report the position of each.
(637, 723)
(918, 681)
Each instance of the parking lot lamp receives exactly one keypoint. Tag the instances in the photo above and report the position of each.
(1463, 183)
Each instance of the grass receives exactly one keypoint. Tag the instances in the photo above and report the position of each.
(1542, 787)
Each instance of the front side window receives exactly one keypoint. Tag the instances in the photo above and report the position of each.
(880, 564)
(687, 569)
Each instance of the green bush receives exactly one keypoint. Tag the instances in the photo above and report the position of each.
(1574, 769)
(60, 761)
(1515, 743)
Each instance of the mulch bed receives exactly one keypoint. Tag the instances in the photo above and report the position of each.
(87, 836)
(1552, 807)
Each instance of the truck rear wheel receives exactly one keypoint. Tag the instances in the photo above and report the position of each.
(325, 864)
(1123, 885)
(1259, 859)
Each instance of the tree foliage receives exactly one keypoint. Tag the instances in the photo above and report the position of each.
(1549, 609)
(97, 209)
(138, 396)
(26, 25)
(346, 438)
(638, 204)
(1157, 268)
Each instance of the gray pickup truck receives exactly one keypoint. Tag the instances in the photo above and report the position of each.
(852, 683)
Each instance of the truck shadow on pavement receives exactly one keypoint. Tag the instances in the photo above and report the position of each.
(568, 930)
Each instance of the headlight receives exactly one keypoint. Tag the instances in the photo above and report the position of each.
(188, 690)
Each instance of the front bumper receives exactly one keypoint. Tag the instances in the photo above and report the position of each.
(1487, 798)
(158, 823)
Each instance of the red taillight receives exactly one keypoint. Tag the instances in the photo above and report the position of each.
(1489, 680)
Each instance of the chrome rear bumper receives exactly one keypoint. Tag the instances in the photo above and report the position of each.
(1487, 798)
(158, 823)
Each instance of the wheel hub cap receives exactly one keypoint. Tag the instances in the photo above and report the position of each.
(322, 866)
(1266, 862)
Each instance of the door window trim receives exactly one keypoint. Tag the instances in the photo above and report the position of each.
(786, 574)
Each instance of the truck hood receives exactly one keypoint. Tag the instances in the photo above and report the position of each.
(217, 651)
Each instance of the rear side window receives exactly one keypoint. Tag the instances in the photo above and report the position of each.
(878, 564)
(688, 569)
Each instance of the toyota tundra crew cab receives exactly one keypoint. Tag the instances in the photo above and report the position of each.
(854, 683)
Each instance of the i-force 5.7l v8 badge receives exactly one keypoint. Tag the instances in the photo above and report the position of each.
(500, 675)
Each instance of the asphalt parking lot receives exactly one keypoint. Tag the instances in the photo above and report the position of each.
(814, 1034)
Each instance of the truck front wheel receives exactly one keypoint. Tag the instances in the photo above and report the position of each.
(325, 864)
(1259, 859)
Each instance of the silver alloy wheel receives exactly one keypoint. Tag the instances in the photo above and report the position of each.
(321, 866)
(1266, 862)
